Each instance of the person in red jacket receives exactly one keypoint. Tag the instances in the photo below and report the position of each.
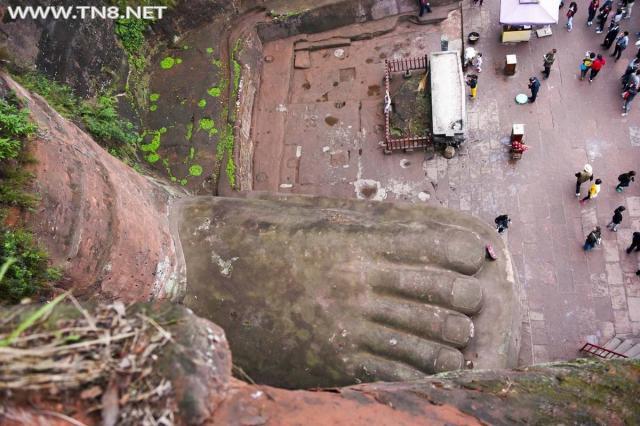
(596, 66)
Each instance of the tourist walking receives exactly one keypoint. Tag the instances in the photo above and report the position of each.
(616, 18)
(593, 9)
(616, 219)
(611, 36)
(596, 67)
(594, 190)
(586, 63)
(633, 66)
(534, 85)
(424, 7)
(621, 44)
(573, 9)
(628, 6)
(594, 237)
(586, 174)
(472, 82)
(602, 18)
(549, 59)
(628, 95)
(476, 61)
(502, 223)
(635, 243)
(624, 180)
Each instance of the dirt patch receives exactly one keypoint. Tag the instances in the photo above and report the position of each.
(306, 85)
(411, 114)
(331, 121)
(347, 74)
(373, 90)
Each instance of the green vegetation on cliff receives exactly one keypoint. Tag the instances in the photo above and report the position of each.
(99, 117)
(25, 262)
(28, 266)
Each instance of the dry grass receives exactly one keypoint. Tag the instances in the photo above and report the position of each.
(105, 358)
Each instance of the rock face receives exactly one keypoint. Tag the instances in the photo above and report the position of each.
(83, 53)
(105, 224)
(315, 291)
(198, 368)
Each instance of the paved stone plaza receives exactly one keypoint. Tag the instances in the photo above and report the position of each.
(331, 114)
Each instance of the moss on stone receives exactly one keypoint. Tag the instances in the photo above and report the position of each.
(195, 170)
(167, 63)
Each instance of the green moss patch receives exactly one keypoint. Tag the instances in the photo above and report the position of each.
(209, 50)
(178, 61)
(153, 146)
(153, 157)
(202, 103)
(154, 97)
(214, 91)
(153, 107)
(195, 170)
(167, 63)
(189, 134)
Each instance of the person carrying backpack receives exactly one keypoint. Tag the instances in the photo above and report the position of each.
(594, 237)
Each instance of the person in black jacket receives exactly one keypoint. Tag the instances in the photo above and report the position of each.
(611, 36)
(594, 237)
(534, 85)
(502, 222)
(624, 180)
(616, 219)
(635, 243)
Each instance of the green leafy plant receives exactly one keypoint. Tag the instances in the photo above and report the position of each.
(131, 34)
(29, 271)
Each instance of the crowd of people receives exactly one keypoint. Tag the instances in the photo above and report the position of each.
(615, 37)
(590, 67)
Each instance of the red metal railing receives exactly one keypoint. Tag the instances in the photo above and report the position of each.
(601, 352)
(410, 142)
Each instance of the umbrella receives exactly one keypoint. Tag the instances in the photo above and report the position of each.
(529, 12)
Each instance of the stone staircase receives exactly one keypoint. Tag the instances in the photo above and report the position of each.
(627, 346)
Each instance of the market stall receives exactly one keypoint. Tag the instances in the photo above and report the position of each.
(520, 17)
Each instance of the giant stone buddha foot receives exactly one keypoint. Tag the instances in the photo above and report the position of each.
(315, 291)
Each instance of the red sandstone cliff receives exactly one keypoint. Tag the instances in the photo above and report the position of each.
(102, 222)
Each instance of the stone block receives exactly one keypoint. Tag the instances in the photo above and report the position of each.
(302, 60)
(634, 308)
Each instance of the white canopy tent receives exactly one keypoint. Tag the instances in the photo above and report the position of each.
(529, 12)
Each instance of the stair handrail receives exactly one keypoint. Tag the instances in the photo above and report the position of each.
(584, 348)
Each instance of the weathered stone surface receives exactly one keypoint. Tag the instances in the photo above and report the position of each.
(316, 292)
(83, 53)
(302, 60)
(577, 392)
(105, 224)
